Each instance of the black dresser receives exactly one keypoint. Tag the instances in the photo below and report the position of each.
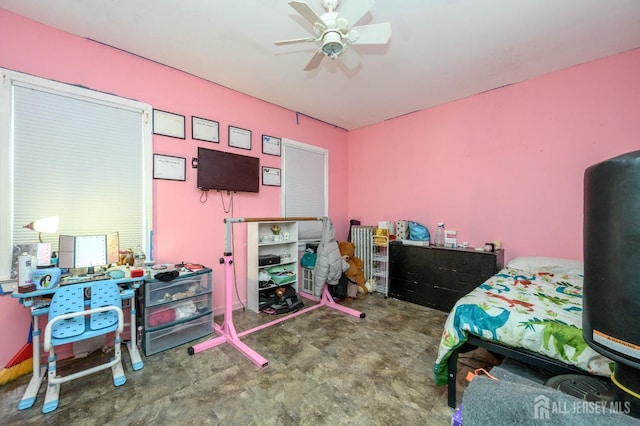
(437, 277)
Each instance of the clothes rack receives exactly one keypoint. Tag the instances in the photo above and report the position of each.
(226, 332)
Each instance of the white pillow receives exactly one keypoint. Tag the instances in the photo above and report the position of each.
(554, 265)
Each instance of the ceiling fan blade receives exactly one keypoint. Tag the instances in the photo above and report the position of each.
(315, 60)
(295, 40)
(306, 12)
(350, 58)
(354, 10)
(370, 34)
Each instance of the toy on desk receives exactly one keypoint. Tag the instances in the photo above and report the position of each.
(32, 278)
(44, 278)
(126, 257)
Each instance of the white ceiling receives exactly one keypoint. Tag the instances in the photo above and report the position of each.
(440, 50)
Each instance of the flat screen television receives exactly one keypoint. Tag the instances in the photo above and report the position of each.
(226, 171)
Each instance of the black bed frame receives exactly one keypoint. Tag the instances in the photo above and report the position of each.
(527, 357)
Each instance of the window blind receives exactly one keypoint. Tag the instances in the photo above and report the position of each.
(80, 155)
(305, 185)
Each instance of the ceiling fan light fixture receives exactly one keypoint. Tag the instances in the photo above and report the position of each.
(335, 31)
(332, 44)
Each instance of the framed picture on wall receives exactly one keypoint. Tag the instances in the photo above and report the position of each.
(169, 167)
(239, 138)
(204, 130)
(270, 176)
(168, 124)
(271, 145)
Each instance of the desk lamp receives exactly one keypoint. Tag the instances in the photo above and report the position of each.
(48, 225)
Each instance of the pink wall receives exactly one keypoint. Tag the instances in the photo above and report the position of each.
(506, 164)
(184, 228)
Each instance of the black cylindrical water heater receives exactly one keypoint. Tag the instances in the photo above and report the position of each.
(612, 258)
(611, 291)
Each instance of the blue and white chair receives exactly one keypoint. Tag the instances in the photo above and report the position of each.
(70, 321)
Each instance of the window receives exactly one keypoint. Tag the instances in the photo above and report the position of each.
(304, 191)
(71, 152)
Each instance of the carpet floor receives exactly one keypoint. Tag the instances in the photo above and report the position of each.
(325, 367)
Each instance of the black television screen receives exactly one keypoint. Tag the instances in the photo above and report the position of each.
(225, 171)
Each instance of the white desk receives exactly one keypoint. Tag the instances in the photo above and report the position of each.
(38, 306)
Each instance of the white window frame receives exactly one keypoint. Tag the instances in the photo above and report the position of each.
(10, 78)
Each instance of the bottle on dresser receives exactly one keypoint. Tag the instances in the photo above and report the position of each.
(439, 240)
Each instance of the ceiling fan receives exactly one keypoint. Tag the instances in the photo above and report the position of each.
(335, 30)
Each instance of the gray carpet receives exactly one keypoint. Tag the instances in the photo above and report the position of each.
(521, 399)
(325, 368)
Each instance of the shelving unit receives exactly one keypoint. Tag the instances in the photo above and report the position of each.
(175, 312)
(261, 241)
(380, 263)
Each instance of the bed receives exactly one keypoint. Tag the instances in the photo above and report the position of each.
(531, 311)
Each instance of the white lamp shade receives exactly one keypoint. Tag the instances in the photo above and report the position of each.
(48, 225)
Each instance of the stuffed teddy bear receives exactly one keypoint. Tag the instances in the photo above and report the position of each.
(126, 257)
(355, 273)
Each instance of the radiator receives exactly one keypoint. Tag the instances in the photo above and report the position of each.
(362, 237)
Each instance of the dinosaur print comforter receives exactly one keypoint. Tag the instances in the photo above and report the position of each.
(540, 312)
